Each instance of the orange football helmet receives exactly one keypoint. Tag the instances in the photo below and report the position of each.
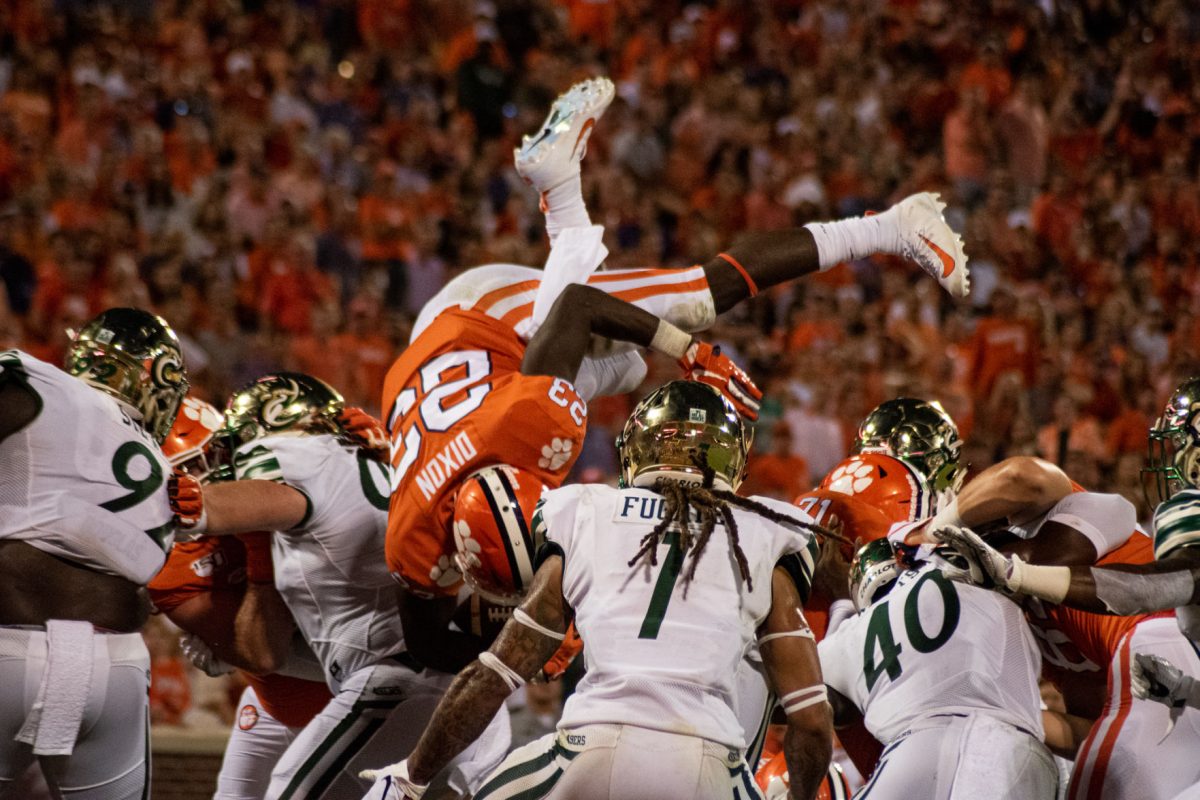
(188, 446)
(772, 779)
(888, 484)
(493, 532)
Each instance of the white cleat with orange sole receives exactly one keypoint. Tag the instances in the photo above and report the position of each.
(552, 155)
(926, 238)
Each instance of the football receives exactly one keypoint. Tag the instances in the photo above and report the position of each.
(480, 617)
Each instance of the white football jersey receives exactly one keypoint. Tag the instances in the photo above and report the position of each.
(933, 646)
(84, 481)
(330, 569)
(662, 652)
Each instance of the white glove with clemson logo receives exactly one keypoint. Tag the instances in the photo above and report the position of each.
(392, 783)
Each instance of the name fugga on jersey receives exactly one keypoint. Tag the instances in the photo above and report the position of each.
(641, 509)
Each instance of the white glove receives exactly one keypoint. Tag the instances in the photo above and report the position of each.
(985, 565)
(1155, 678)
(392, 783)
(202, 658)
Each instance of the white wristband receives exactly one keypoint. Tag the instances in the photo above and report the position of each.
(803, 698)
(1048, 583)
(670, 340)
(521, 617)
(510, 676)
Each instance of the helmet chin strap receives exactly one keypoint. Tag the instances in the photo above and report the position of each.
(647, 479)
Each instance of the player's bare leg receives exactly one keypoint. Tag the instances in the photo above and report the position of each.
(549, 159)
(913, 228)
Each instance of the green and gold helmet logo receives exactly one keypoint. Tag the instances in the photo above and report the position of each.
(281, 408)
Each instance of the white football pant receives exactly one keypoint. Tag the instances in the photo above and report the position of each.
(375, 720)
(111, 754)
(255, 745)
(963, 757)
(1125, 756)
(621, 762)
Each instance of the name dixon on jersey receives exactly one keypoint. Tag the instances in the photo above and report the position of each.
(445, 464)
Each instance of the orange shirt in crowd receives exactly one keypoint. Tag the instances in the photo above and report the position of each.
(780, 477)
(1000, 346)
(965, 155)
(1083, 436)
(289, 297)
(1127, 433)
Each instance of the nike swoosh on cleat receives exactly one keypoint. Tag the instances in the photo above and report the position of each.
(947, 259)
(587, 126)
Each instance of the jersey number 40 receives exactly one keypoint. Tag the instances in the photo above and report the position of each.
(881, 637)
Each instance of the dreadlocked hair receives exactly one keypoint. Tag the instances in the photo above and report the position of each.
(709, 504)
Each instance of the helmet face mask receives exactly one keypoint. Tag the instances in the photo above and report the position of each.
(684, 430)
(872, 572)
(289, 403)
(1173, 462)
(135, 357)
(920, 433)
(496, 537)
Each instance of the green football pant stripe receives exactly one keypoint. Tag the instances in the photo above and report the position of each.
(327, 744)
(342, 760)
(517, 772)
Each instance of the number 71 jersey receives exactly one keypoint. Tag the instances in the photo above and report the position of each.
(456, 402)
(83, 481)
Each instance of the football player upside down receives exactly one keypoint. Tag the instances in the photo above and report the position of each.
(500, 368)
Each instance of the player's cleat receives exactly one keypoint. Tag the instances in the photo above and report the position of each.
(552, 155)
(926, 239)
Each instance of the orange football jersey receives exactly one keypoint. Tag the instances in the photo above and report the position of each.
(1078, 646)
(456, 402)
(292, 701)
(192, 568)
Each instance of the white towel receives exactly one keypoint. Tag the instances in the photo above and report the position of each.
(53, 723)
(576, 254)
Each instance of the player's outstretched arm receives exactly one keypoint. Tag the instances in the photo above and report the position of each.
(560, 344)
(229, 507)
(526, 643)
(1119, 589)
(794, 671)
(580, 312)
(1017, 488)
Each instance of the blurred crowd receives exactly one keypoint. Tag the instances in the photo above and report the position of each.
(288, 182)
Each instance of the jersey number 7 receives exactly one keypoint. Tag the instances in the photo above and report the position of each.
(663, 588)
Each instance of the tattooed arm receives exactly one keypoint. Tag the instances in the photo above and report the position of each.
(479, 691)
(794, 672)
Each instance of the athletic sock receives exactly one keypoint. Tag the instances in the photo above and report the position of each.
(564, 207)
(855, 238)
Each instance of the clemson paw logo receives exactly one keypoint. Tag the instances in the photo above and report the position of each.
(468, 548)
(206, 415)
(443, 573)
(852, 477)
(555, 454)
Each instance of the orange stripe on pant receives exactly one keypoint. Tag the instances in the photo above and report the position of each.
(495, 296)
(516, 315)
(1090, 773)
